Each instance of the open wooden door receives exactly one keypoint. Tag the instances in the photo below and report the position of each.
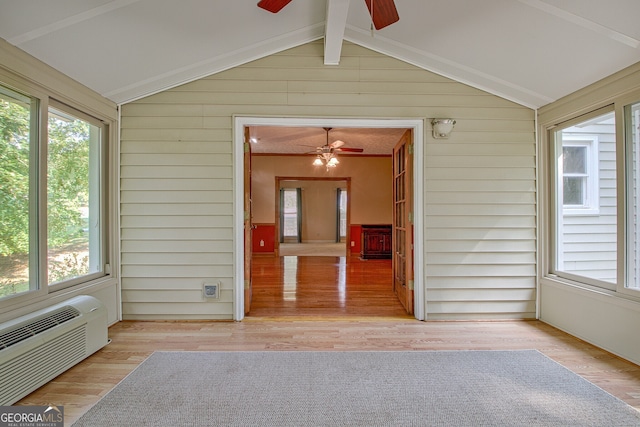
(402, 241)
(248, 226)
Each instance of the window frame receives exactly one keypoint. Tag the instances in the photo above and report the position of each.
(552, 258)
(102, 190)
(548, 203)
(38, 200)
(285, 238)
(33, 257)
(342, 202)
(631, 158)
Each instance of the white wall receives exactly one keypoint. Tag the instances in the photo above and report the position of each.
(371, 185)
(177, 182)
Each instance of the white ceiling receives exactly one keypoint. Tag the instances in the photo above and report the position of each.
(529, 51)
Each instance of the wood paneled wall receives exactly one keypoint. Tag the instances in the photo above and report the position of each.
(177, 181)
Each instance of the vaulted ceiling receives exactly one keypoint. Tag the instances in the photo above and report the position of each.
(529, 51)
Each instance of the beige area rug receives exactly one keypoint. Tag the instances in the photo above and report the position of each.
(313, 249)
(362, 388)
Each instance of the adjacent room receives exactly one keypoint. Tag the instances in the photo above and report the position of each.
(291, 178)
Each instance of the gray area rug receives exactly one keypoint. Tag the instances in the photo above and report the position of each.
(418, 388)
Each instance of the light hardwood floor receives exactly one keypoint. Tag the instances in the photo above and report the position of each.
(349, 326)
(322, 286)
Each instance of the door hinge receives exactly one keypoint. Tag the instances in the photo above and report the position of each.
(410, 285)
(247, 284)
(410, 217)
(246, 147)
(410, 149)
(246, 215)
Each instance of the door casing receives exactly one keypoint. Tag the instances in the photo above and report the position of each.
(416, 125)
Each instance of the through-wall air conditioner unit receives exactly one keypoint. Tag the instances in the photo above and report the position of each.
(36, 348)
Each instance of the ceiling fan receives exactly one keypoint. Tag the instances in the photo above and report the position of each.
(326, 154)
(383, 12)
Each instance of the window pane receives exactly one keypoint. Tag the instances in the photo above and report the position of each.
(585, 232)
(73, 197)
(17, 136)
(573, 191)
(632, 114)
(574, 160)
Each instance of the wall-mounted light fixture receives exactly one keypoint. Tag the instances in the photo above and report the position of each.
(442, 127)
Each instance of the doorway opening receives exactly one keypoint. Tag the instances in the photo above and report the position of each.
(416, 127)
(312, 216)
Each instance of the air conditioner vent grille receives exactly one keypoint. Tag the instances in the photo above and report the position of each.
(36, 326)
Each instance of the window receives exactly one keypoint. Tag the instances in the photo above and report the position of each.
(579, 171)
(52, 198)
(290, 209)
(342, 215)
(73, 197)
(575, 176)
(586, 226)
(632, 136)
(18, 154)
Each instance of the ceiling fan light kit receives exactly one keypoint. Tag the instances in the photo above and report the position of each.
(442, 128)
(326, 155)
(326, 160)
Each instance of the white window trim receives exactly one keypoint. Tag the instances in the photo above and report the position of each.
(592, 205)
(632, 281)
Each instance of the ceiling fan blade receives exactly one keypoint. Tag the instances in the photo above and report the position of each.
(273, 6)
(336, 144)
(350, 150)
(384, 12)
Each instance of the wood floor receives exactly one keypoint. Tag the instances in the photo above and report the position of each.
(358, 319)
(322, 286)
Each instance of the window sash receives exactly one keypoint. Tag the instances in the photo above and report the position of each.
(73, 266)
(583, 241)
(12, 284)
